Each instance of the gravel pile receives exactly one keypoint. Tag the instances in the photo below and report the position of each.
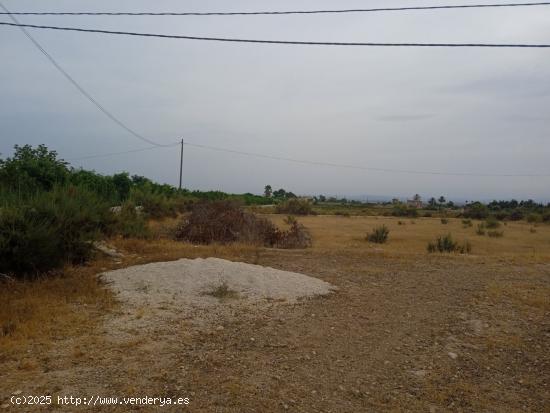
(210, 282)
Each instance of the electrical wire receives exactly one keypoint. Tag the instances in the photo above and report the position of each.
(105, 155)
(363, 168)
(83, 91)
(281, 42)
(279, 13)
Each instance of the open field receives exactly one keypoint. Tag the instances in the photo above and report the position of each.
(406, 331)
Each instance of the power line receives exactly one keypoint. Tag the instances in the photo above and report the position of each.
(363, 168)
(279, 13)
(105, 155)
(282, 42)
(75, 83)
(314, 163)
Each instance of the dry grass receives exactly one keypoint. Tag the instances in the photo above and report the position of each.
(396, 303)
(35, 312)
(333, 233)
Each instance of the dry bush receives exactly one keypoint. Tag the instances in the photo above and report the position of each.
(226, 222)
(495, 234)
(295, 206)
(379, 235)
(295, 237)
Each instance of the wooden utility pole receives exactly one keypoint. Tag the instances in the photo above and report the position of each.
(181, 161)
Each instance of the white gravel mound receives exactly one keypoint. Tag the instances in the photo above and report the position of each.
(189, 282)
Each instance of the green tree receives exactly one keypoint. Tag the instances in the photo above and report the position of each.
(31, 169)
(279, 193)
(268, 191)
(123, 184)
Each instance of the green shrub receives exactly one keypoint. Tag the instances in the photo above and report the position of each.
(534, 218)
(379, 235)
(130, 222)
(476, 210)
(154, 205)
(295, 206)
(445, 243)
(49, 229)
(491, 223)
(401, 210)
(467, 223)
(495, 234)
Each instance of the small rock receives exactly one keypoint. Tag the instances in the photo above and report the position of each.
(219, 328)
(17, 392)
(342, 388)
(452, 355)
(419, 373)
(4, 406)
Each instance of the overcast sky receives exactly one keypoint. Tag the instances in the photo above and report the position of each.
(483, 111)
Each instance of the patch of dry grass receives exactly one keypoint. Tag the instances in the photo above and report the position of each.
(333, 234)
(35, 312)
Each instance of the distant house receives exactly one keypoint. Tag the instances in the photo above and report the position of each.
(309, 199)
(415, 203)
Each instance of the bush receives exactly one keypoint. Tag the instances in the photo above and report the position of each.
(480, 229)
(401, 210)
(534, 218)
(476, 210)
(444, 221)
(49, 229)
(447, 244)
(130, 222)
(467, 223)
(379, 235)
(154, 205)
(226, 222)
(295, 206)
(495, 234)
(295, 237)
(492, 223)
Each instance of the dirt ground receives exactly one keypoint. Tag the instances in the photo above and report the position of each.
(406, 331)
